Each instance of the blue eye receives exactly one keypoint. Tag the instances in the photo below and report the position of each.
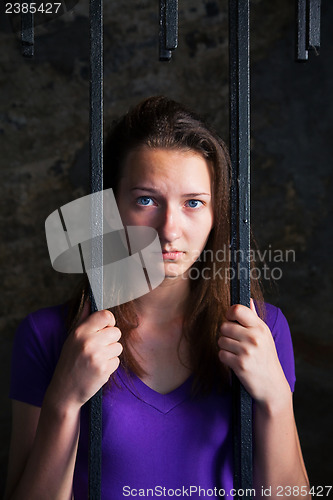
(144, 201)
(194, 203)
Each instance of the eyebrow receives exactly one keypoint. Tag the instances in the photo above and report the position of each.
(155, 191)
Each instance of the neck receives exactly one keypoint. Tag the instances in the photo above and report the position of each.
(166, 302)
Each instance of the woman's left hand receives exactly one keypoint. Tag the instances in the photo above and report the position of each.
(247, 347)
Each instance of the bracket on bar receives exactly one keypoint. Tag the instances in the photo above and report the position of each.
(168, 33)
(308, 28)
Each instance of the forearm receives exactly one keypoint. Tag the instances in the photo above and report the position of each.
(278, 461)
(49, 470)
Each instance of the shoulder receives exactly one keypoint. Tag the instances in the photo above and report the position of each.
(45, 328)
(275, 320)
(279, 327)
(36, 349)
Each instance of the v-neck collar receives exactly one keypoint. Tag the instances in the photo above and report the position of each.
(161, 402)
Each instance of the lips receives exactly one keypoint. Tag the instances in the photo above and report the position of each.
(172, 254)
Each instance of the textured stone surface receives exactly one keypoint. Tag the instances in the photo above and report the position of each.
(44, 163)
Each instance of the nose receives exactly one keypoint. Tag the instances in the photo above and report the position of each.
(169, 225)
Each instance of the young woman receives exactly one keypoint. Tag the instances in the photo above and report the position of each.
(165, 359)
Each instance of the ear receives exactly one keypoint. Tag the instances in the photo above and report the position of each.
(253, 307)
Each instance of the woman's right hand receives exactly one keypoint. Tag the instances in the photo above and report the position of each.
(88, 358)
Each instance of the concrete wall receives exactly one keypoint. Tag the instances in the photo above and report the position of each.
(44, 164)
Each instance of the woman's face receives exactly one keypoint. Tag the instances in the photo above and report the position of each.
(169, 190)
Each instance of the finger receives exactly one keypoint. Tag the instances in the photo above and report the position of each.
(110, 335)
(115, 350)
(228, 358)
(99, 320)
(242, 314)
(233, 330)
(230, 344)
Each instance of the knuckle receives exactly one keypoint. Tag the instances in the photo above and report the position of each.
(237, 309)
(242, 364)
(221, 354)
(78, 332)
(254, 341)
(224, 327)
(105, 315)
(94, 360)
(246, 352)
(85, 349)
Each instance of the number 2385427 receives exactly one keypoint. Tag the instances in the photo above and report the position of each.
(32, 7)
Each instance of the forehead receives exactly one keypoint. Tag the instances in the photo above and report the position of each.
(166, 167)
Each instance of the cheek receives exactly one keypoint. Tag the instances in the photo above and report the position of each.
(207, 223)
(132, 216)
(200, 230)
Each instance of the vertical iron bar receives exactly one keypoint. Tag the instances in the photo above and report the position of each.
(301, 39)
(96, 172)
(171, 24)
(168, 31)
(239, 44)
(314, 25)
(27, 32)
(164, 53)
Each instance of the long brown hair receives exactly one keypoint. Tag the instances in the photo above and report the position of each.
(158, 122)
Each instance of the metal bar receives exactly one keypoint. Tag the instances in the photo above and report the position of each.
(96, 172)
(301, 30)
(27, 32)
(171, 24)
(164, 53)
(239, 45)
(314, 7)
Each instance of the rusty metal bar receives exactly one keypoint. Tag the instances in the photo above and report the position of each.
(301, 30)
(171, 24)
(27, 32)
(96, 176)
(239, 45)
(314, 14)
(164, 53)
(168, 28)
(308, 16)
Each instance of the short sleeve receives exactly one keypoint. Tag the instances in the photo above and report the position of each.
(36, 349)
(283, 342)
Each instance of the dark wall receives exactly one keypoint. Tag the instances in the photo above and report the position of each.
(44, 164)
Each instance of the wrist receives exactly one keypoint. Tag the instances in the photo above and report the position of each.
(60, 407)
(276, 403)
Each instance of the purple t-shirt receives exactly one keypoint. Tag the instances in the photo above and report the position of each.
(154, 445)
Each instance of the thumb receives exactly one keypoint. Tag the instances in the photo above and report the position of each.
(253, 307)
